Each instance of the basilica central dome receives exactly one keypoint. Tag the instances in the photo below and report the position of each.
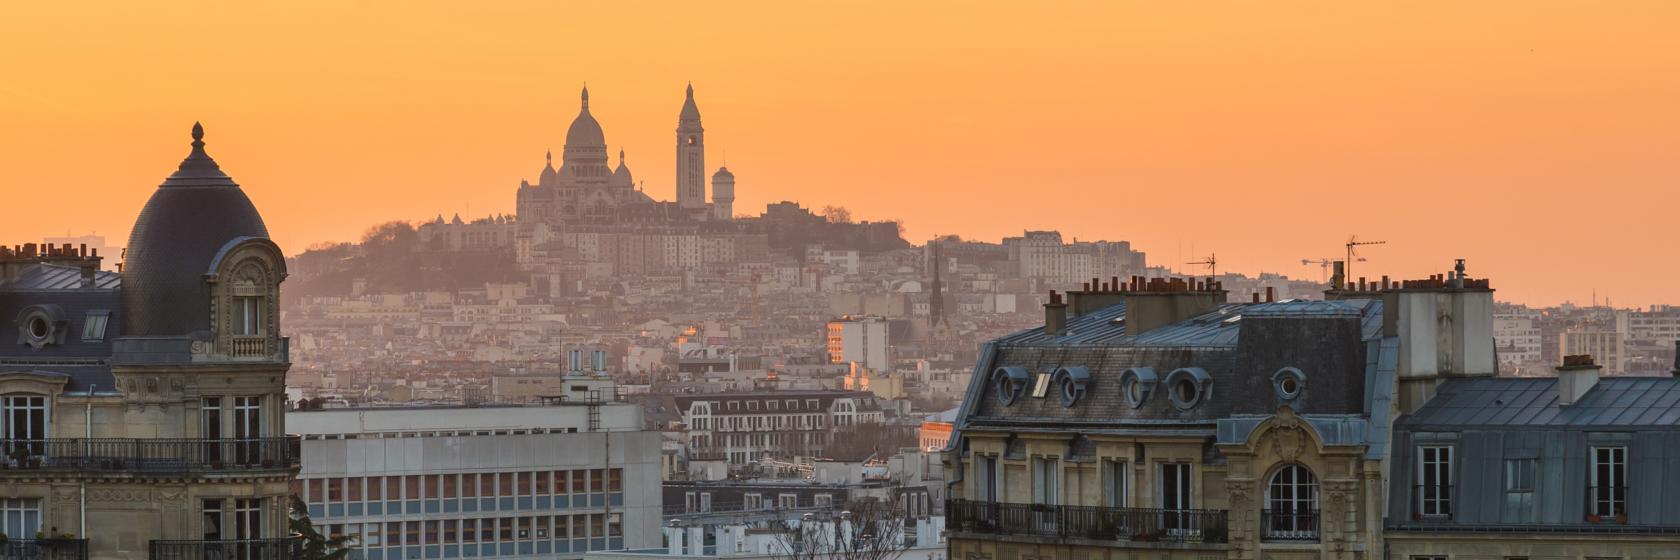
(585, 132)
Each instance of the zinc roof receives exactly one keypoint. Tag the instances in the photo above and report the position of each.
(1613, 402)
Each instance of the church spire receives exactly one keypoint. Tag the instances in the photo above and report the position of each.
(586, 96)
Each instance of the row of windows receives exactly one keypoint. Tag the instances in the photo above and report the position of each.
(447, 486)
(770, 404)
(1607, 484)
(797, 422)
(702, 502)
(474, 531)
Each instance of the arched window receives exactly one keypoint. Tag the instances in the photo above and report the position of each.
(1291, 504)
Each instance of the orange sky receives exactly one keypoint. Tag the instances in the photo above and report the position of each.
(1536, 139)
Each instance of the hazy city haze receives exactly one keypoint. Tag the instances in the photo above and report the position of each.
(1534, 139)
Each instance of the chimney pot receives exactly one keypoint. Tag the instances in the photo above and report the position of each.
(1577, 376)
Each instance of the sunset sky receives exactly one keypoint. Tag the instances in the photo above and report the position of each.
(1539, 140)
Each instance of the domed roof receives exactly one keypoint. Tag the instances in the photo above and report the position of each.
(585, 131)
(723, 173)
(188, 220)
(548, 172)
(622, 172)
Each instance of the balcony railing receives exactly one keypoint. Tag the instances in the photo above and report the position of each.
(1289, 526)
(44, 549)
(150, 455)
(1088, 522)
(248, 346)
(254, 549)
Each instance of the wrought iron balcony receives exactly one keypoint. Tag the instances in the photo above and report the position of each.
(1088, 522)
(149, 455)
(253, 549)
(44, 549)
(1289, 526)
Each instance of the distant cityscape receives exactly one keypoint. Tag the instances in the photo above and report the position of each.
(605, 375)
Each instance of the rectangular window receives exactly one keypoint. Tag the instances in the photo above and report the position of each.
(753, 501)
(596, 480)
(20, 518)
(542, 483)
(451, 486)
(615, 480)
(1114, 483)
(986, 479)
(247, 417)
(1175, 486)
(1609, 481)
(1519, 485)
(93, 327)
(24, 418)
(823, 500)
(212, 519)
(374, 485)
(355, 490)
(247, 518)
(247, 316)
(1044, 473)
(1434, 482)
(787, 501)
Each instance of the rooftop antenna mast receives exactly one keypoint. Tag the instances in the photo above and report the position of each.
(1353, 243)
(1212, 262)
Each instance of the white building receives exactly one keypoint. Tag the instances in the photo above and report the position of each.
(489, 482)
(861, 340)
(742, 427)
(1607, 347)
(1517, 339)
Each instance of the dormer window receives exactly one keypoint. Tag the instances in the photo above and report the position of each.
(93, 327)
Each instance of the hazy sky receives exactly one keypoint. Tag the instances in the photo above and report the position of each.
(1537, 139)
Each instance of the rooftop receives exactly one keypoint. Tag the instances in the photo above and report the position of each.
(1509, 402)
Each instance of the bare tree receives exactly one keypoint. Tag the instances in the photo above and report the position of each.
(865, 530)
(837, 214)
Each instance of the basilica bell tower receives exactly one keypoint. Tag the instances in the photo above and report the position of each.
(691, 156)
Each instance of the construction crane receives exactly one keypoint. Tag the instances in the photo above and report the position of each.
(1324, 267)
(1353, 243)
(1212, 262)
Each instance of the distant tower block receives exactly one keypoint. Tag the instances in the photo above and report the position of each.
(691, 156)
(723, 194)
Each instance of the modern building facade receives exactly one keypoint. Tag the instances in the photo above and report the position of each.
(861, 340)
(143, 413)
(539, 481)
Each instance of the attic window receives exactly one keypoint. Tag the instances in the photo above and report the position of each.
(93, 327)
(1071, 383)
(1137, 384)
(1008, 383)
(1188, 387)
(1288, 382)
(39, 329)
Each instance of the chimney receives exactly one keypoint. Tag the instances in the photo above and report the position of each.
(1676, 370)
(1160, 302)
(1339, 276)
(1577, 376)
(1055, 315)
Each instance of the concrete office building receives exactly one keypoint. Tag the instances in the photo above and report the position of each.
(860, 340)
(538, 481)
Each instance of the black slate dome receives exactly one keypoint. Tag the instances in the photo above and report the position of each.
(190, 217)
